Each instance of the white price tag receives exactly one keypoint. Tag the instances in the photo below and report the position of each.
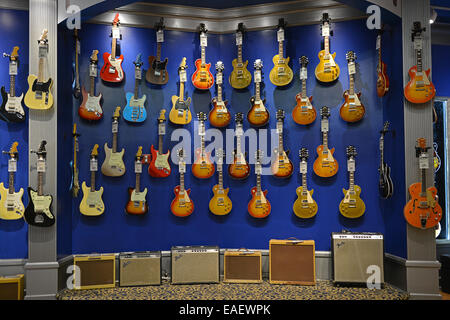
(12, 165)
(324, 126)
(93, 70)
(183, 76)
(325, 30)
(303, 74)
(137, 167)
(115, 127)
(93, 166)
(423, 161)
(303, 167)
(239, 132)
(378, 42)
(219, 78)
(257, 75)
(43, 51)
(40, 166)
(138, 73)
(351, 165)
(13, 68)
(279, 127)
(201, 129)
(418, 43)
(203, 40)
(238, 38)
(161, 129)
(115, 33)
(160, 36)
(280, 35)
(182, 167)
(258, 169)
(351, 68)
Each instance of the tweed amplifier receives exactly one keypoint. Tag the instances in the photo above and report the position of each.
(195, 264)
(357, 258)
(140, 268)
(11, 287)
(242, 266)
(94, 271)
(292, 261)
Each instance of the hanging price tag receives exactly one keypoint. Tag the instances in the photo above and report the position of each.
(160, 36)
(351, 165)
(378, 42)
(324, 125)
(257, 75)
(115, 127)
(138, 73)
(93, 70)
(40, 166)
(13, 68)
(183, 76)
(418, 43)
(303, 167)
(303, 74)
(325, 30)
(93, 165)
(43, 49)
(280, 35)
(423, 161)
(219, 78)
(161, 129)
(238, 38)
(351, 68)
(239, 131)
(258, 169)
(115, 33)
(12, 165)
(137, 167)
(203, 40)
(201, 129)
(279, 127)
(182, 167)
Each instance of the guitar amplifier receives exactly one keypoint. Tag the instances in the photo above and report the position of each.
(94, 271)
(140, 268)
(242, 266)
(357, 256)
(195, 264)
(11, 287)
(292, 261)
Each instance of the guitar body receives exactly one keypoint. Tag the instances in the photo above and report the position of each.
(219, 116)
(90, 108)
(137, 203)
(258, 115)
(303, 113)
(281, 165)
(352, 205)
(352, 109)
(11, 206)
(159, 166)
(281, 74)
(74, 186)
(382, 80)
(240, 77)
(419, 89)
(92, 203)
(38, 212)
(422, 212)
(11, 109)
(180, 112)
(220, 204)
(113, 165)
(203, 167)
(385, 184)
(238, 170)
(327, 70)
(112, 69)
(259, 206)
(305, 206)
(202, 78)
(38, 95)
(325, 165)
(157, 72)
(135, 111)
(181, 205)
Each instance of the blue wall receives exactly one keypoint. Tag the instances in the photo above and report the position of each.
(440, 70)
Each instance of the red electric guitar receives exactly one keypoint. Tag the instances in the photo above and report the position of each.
(112, 68)
(159, 167)
(202, 78)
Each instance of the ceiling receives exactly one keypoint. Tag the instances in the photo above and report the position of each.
(442, 8)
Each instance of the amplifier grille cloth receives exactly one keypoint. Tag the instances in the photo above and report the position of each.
(243, 267)
(96, 272)
(8, 291)
(291, 262)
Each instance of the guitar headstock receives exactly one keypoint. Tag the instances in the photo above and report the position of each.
(180, 154)
(94, 151)
(219, 159)
(202, 28)
(280, 114)
(303, 61)
(14, 56)
(183, 65)
(422, 145)
(138, 62)
(116, 21)
(94, 58)
(159, 26)
(43, 39)
(325, 112)
(162, 116)
(219, 66)
(201, 116)
(385, 127)
(41, 151)
(13, 153)
(281, 23)
(139, 154)
(325, 21)
(417, 30)
(304, 154)
(116, 114)
(258, 65)
(350, 56)
(239, 118)
(351, 152)
(241, 28)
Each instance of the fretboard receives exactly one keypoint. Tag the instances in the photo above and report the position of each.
(239, 54)
(181, 91)
(258, 184)
(181, 182)
(138, 182)
(325, 141)
(158, 52)
(280, 50)
(202, 146)
(220, 178)
(41, 70)
(257, 91)
(12, 85)
(92, 181)
(203, 56)
(419, 60)
(40, 187)
(160, 144)
(114, 146)
(238, 144)
(280, 142)
(219, 92)
(304, 89)
(424, 183)
(351, 179)
(11, 183)
(113, 49)
(75, 142)
(305, 188)
(326, 45)
(351, 90)
(92, 86)
(136, 89)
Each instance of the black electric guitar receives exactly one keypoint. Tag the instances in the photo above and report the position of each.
(385, 184)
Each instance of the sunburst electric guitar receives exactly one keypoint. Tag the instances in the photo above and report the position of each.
(259, 206)
(92, 202)
(74, 183)
(11, 206)
(423, 210)
(180, 112)
(305, 206)
(137, 203)
(135, 110)
(159, 166)
(325, 165)
(11, 109)
(281, 164)
(182, 205)
(157, 71)
(382, 77)
(352, 109)
(419, 89)
(113, 165)
(281, 74)
(202, 167)
(202, 78)
(240, 77)
(258, 115)
(352, 206)
(39, 94)
(219, 116)
(91, 108)
(303, 113)
(327, 70)
(220, 204)
(112, 66)
(239, 169)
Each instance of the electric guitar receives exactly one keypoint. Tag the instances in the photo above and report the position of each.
(419, 89)
(240, 77)
(422, 210)
(382, 77)
(38, 211)
(436, 158)
(137, 203)
(112, 67)
(202, 78)
(159, 166)
(325, 165)
(11, 206)
(74, 184)
(219, 116)
(113, 165)
(258, 115)
(135, 110)
(281, 164)
(76, 75)
(352, 109)
(202, 167)
(281, 74)
(327, 70)
(182, 205)
(92, 202)
(259, 206)
(385, 184)
(352, 206)
(157, 72)
(304, 112)
(220, 204)
(180, 112)
(39, 94)
(11, 109)
(305, 206)
(90, 108)
(239, 169)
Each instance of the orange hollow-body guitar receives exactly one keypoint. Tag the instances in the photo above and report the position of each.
(219, 116)
(352, 109)
(325, 165)
(202, 167)
(303, 113)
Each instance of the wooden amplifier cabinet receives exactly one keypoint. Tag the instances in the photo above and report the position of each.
(242, 266)
(195, 264)
(292, 262)
(11, 287)
(94, 271)
(140, 268)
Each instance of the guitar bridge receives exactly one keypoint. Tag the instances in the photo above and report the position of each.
(136, 113)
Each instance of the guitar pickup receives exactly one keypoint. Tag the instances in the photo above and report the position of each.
(38, 95)
(157, 73)
(112, 70)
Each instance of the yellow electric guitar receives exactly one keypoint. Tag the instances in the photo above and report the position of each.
(240, 77)
(305, 206)
(113, 165)
(327, 70)
(92, 203)
(352, 205)
(11, 206)
(220, 204)
(281, 74)
(180, 112)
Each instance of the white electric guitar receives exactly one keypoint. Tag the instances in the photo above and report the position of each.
(113, 165)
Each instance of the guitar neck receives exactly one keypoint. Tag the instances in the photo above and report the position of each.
(136, 88)
(160, 144)
(138, 182)
(202, 146)
(351, 90)
(181, 182)
(40, 187)
(219, 92)
(280, 50)
(239, 54)
(423, 190)
(351, 181)
(92, 181)
(280, 142)
(158, 52)
(41, 70)
(203, 55)
(220, 179)
(325, 141)
(419, 60)
(92, 86)
(381, 151)
(326, 45)
(114, 146)
(181, 91)
(113, 49)
(257, 91)
(12, 85)
(75, 148)
(304, 89)
(11, 183)
(305, 188)
(238, 145)
(258, 184)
